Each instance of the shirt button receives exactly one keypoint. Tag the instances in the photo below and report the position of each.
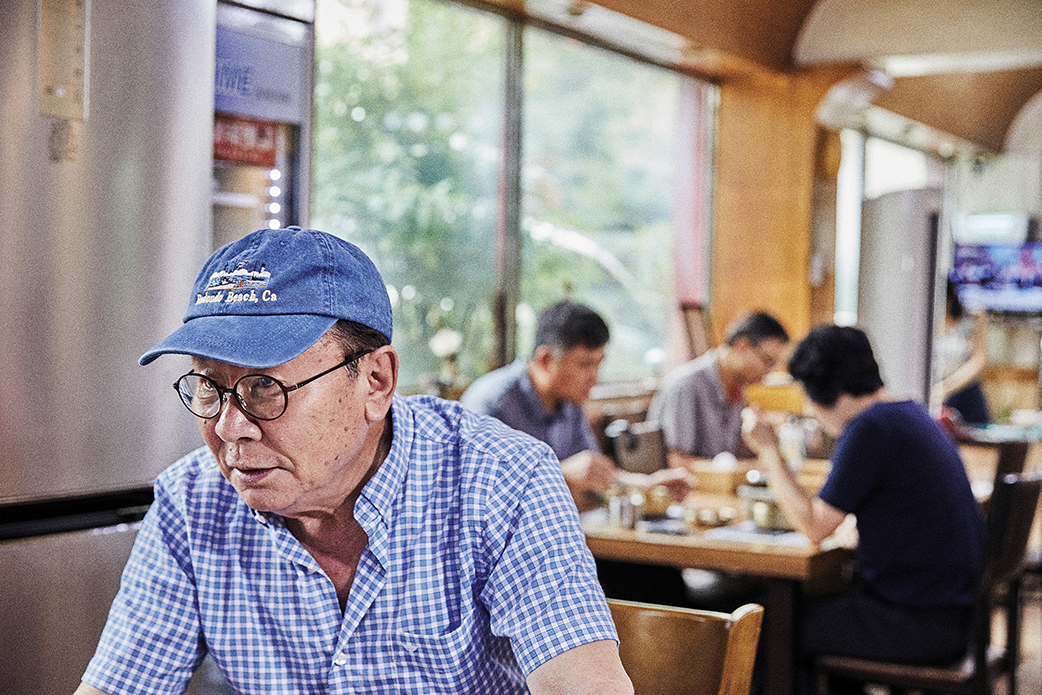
(340, 659)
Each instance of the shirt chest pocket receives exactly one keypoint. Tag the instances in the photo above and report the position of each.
(439, 662)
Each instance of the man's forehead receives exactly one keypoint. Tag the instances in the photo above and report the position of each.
(581, 353)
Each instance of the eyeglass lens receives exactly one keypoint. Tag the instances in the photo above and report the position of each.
(260, 396)
(768, 361)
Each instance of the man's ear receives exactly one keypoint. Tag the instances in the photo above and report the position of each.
(543, 356)
(742, 344)
(380, 368)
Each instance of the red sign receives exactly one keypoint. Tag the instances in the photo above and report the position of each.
(244, 140)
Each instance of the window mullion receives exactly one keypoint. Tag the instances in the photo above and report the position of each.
(508, 223)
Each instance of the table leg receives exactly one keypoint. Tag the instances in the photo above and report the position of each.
(780, 627)
(1013, 614)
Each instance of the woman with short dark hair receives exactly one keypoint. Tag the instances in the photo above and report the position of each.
(920, 530)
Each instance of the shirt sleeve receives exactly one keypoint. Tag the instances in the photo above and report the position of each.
(857, 463)
(542, 592)
(151, 642)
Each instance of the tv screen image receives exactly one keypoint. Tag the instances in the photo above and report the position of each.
(999, 277)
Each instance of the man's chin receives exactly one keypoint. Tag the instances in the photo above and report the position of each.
(258, 491)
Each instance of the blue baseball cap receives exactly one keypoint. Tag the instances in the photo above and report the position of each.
(266, 298)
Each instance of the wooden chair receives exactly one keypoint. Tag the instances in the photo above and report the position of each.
(665, 649)
(1011, 513)
(1012, 457)
(698, 327)
(1011, 461)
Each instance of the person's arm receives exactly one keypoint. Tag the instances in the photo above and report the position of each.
(593, 668)
(808, 513)
(589, 475)
(971, 369)
(87, 689)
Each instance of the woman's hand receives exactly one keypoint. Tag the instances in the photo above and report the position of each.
(757, 430)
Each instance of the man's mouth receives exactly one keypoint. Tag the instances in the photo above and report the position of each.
(251, 476)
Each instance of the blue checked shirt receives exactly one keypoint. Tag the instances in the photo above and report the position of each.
(476, 572)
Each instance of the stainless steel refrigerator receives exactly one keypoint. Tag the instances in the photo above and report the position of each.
(106, 112)
(896, 285)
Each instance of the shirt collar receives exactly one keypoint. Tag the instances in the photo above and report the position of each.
(530, 396)
(383, 490)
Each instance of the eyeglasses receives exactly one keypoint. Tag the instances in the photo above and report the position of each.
(768, 362)
(260, 396)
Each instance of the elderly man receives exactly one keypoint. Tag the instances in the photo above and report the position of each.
(332, 536)
(699, 404)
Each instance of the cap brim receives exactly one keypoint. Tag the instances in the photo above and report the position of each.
(256, 342)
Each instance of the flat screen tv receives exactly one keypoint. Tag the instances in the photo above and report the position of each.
(999, 277)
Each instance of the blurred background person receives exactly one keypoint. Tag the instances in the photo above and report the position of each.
(960, 353)
(699, 404)
(920, 531)
(543, 396)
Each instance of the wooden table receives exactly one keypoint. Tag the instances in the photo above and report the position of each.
(788, 570)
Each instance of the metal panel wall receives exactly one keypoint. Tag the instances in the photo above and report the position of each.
(57, 591)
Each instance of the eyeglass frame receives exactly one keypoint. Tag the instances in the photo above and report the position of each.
(233, 389)
(768, 362)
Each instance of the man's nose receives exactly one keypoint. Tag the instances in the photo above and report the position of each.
(232, 422)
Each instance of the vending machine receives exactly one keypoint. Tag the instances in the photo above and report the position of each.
(262, 118)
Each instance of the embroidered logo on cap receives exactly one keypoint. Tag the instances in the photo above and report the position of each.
(249, 281)
(238, 279)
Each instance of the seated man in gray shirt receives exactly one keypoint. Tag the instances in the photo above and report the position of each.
(699, 404)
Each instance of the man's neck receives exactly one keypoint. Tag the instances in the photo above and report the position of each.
(730, 376)
(540, 384)
(855, 405)
(336, 540)
(336, 543)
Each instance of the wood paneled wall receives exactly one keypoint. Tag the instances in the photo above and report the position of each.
(765, 166)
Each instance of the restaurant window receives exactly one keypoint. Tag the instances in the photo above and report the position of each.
(409, 146)
(599, 130)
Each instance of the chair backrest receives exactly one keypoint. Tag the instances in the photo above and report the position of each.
(698, 328)
(672, 650)
(1011, 512)
(1012, 457)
